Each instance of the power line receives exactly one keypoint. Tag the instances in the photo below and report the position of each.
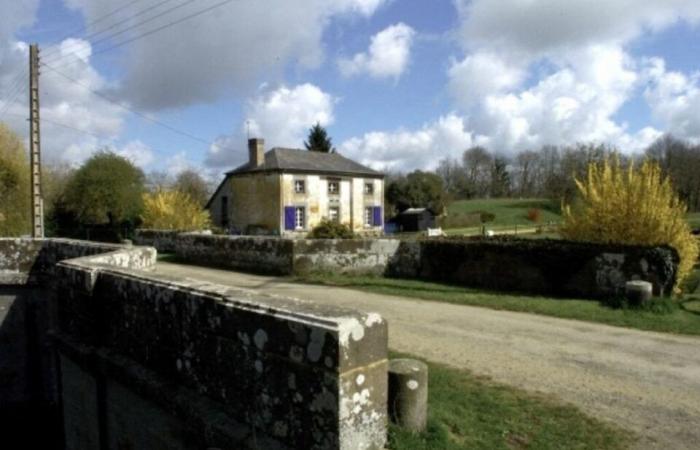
(91, 24)
(143, 22)
(161, 28)
(127, 108)
(21, 87)
(89, 36)
(16, 82)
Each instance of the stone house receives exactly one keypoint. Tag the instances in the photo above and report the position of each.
(287, 192)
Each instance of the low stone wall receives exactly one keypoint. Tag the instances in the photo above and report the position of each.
(151, 362)
(534, 266)
(162, 240)
(540, 267)
(354, 256)
(255, 254)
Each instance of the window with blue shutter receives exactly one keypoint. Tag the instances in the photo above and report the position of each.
(289, 218)
(377, 219)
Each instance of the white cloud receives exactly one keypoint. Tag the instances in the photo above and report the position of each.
(480, 74)
(674, 99)
(282, 117)
(541, 27)
(408, 150)
(574, 104)
(387, 57)
(75, 122)
(137, 152)
(223, 51)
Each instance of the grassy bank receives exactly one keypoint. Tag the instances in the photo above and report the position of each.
(466, 411)
(684, 317)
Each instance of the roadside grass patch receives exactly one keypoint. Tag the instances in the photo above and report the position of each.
(683, 318)
(468, 411)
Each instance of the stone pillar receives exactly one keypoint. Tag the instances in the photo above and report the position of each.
(638, 292)
(408, 394)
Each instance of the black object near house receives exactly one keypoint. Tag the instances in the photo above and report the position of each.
(414, 219)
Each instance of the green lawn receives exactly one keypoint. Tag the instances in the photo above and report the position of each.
(694, 219)
(510, 213)
(683, 319)
(466, 411)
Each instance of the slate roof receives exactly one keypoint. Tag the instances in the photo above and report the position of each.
(305, 161)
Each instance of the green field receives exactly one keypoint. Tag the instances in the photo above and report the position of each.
(508, 211)
(467, 411)
(511, 213)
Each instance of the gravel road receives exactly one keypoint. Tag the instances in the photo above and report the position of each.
(644, 381)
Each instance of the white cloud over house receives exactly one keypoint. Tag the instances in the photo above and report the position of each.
(388, 55)
(281, 116)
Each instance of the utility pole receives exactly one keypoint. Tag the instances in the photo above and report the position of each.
(35, 143)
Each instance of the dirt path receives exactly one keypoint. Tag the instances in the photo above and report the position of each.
(646, 382)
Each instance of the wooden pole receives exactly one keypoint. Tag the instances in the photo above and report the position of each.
(35, 143)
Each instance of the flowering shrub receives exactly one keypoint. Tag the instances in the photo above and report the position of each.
(173, 210)
(534, 214)
(633, 205)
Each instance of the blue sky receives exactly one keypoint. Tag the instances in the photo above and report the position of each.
(400, 84)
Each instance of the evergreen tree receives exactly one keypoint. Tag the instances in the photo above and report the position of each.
(318, 140)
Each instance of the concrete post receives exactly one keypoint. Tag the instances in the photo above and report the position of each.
(408, 394)
(638, 292)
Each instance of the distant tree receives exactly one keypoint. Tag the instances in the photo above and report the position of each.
(14, 185)
(173, 210)
(477, 162)
(500, 178)
(158, 180)
(453, 177)
(318, 140)
(58, 220)
(191, 183)
(418, 189)
(526, 173)
(679, 160)
(106, 190)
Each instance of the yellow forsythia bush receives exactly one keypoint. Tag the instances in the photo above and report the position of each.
(633, 205)
(173, 210)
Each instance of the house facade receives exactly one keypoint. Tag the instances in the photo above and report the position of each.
(288, 192)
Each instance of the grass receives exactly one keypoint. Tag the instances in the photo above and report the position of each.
(684, 317)
(694, 219)
(510, 212)
(467, 411)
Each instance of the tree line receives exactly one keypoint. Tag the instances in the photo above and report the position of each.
(548, 172)
(102, 199)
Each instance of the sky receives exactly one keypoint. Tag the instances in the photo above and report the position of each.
(399, 84)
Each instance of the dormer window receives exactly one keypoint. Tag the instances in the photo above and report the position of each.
(333, 187)
(299, 187)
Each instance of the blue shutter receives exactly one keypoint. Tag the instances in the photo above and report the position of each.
(377, 219)
(289, 218)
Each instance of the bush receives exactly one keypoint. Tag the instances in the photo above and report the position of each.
(534, 214)
(173, 210)
(329, 229)
(487, 217)
(631, 206)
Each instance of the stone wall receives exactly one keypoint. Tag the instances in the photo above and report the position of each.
(534, 266)
(540, 267)
(354, 256)
(151, 362)
(247, 253)
(162, 240)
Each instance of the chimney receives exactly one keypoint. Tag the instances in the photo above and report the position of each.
(256, 151)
